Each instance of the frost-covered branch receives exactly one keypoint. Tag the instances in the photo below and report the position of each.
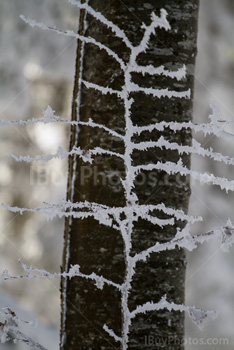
(160, 92)
(115, 29)
(123, 219)
(50, 117)
(104, 213)
(10, 330)
(102, 89)
(198, 315)
(71, 33)
(112, 333)
(196, 148)
(100, 126)
(215, 127)
(156, 22)
(206, 128)
(74, 271)
(174, 168)
(151, 70)
(184, 239)
(85, 155)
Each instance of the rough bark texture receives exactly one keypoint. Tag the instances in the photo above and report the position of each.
(85, 309)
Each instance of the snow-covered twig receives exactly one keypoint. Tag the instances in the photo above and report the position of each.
(206, 128)
(196, 148)
(97, 15)
(85, 155)
(102, 89)
(184, 239)
(179, 74)
(160, 92)
(123, 219)
(74, 271)
(112, 333)
(72, 34)
(10, 330)
(100, 126)
(174, 168)
(85, 209)
(198, 315)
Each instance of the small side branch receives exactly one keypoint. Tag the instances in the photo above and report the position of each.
(104, 213)
(10, 330)
(102, 89)
(72, 34)
(206, 128)
(112, 333)
(198, 315)
(160, 92)
(173, 168)
(96, 125)
(196, 148)
(151, 70)
(115, 29)
(74, 271)
(156, 22)
(86, 155)
(183, 239)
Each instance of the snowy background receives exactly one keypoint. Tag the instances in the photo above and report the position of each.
(37, 69)
(209, 280)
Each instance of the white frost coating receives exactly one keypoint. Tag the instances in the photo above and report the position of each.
(156, 22)
(184, 239)
(85, 155)
(103, 90)
(107, 214)
(216, 128)
(50, 117)
(206, 128)
(72, 34)
(174, 168)
(10, 329)
(196, 148)
(122, 219)
(118, 32)
(33, 23)
(96, 125)
(112, 333)
(227, 236)
(198, 315)
(160, 92)
(74, 271)
(179, 75)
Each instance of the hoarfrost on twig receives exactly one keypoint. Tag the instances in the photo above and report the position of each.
(10, 329)
(133, 211)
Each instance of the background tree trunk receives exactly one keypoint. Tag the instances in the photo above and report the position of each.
(95, 247)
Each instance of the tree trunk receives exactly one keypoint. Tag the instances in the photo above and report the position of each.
(93, 245)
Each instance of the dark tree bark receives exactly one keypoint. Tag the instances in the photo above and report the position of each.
(95, 247)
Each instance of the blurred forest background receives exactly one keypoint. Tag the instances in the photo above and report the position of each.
(37, 70)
